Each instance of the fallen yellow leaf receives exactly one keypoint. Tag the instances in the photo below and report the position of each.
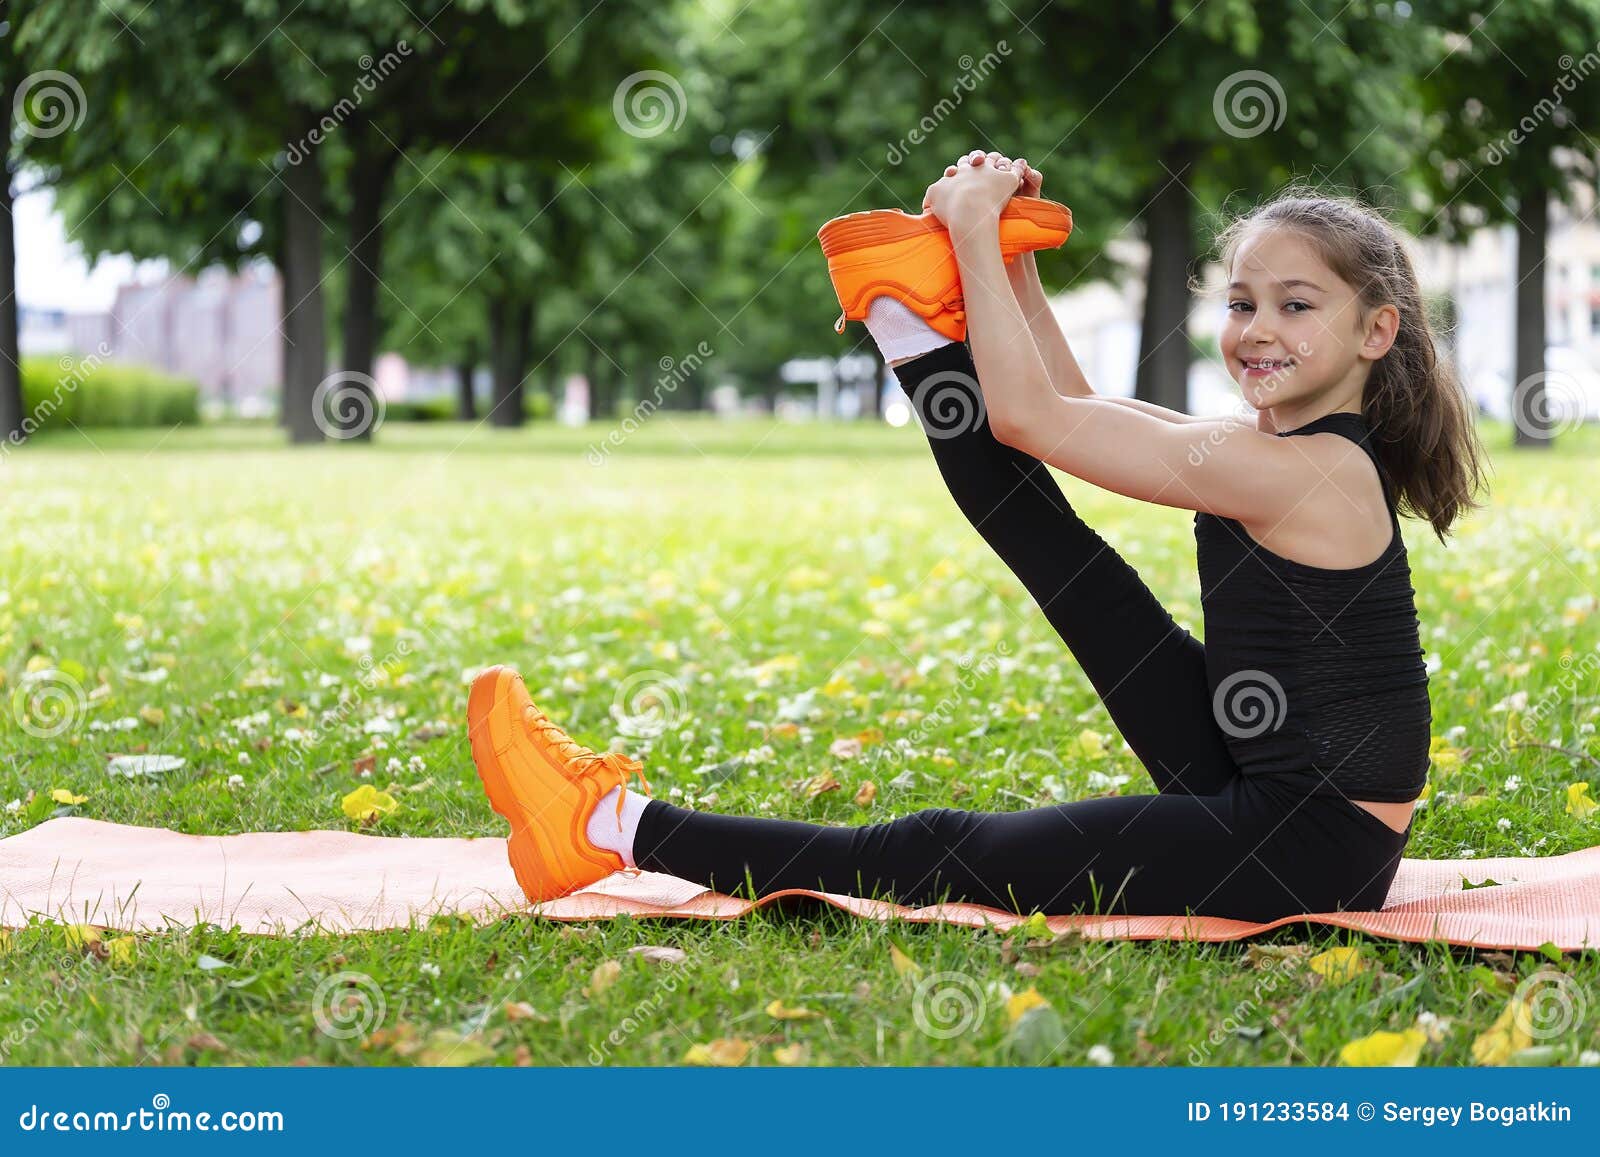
(818, 784)
(368, 804)
(81, 935)
(1394, 1049)
(1509, 1033)
(603, 977)
(1037, 927)
(64, 795)
(1338, 965)
(1022, 1001)
(724, 1052)
(794, 1054)
(777, 1010)
(1091, 743)
(903, 964)
(121, 949)
(1578, 802)
(865, 794)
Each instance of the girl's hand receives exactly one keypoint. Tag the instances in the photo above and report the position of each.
(976, 186)
(1032, 178)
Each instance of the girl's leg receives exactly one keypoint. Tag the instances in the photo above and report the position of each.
(1246, 853)
(1149, 671)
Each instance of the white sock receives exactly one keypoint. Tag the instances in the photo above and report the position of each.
(603, 830)
(899, 332)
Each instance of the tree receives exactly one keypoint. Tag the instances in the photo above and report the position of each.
(1507, 108)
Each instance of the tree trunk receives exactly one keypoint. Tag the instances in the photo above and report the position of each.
(602, 392)
(1531, 425)
(369, 182)
(304, 325)
(11, 412)
(466, 400)
(510, 336)
(1164, 355)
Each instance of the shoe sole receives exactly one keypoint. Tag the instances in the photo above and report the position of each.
(527, 864)
(892, 238)
(1026, 224)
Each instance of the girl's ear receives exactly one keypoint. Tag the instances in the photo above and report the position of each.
(1382, 327)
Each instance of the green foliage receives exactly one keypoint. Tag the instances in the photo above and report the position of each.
(92, 393)
(425, 410)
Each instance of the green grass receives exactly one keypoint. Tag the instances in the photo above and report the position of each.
(733, 566)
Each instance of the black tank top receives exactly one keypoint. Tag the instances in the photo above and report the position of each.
(1316, 674)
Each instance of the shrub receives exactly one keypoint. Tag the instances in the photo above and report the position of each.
(441, 409)
(92, 392)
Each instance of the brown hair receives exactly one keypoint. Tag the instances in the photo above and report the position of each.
(1422, 423)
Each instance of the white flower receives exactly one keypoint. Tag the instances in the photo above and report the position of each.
(1589, 1057)
(394, 766)
(1101, 1055)
(1503, 824)
(417, 764)
(14, 807)
(428, 969)
(380, 726)
(244, 757)
(1513, 782)
(236, 781)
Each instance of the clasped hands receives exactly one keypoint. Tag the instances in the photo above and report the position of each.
(977, 186)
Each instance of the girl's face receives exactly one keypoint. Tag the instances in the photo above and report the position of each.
(1294, 330)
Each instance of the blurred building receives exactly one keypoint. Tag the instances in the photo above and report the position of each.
(219, 329)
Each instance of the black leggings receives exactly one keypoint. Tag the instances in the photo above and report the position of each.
(1213, 842)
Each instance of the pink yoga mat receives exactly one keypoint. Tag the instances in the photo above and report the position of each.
(132, 878)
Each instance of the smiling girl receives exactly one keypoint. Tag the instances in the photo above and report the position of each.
(1287, 751)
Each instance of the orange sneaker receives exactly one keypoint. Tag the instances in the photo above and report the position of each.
(545, 783)
(909, 257)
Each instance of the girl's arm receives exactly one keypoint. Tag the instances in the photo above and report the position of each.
(1066, 377)
(1234, 471)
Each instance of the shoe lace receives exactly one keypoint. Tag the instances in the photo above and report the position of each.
(581, 761)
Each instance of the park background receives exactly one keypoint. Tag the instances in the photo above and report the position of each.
(348, 347)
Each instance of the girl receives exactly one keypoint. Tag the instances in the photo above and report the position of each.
(1287, 752)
